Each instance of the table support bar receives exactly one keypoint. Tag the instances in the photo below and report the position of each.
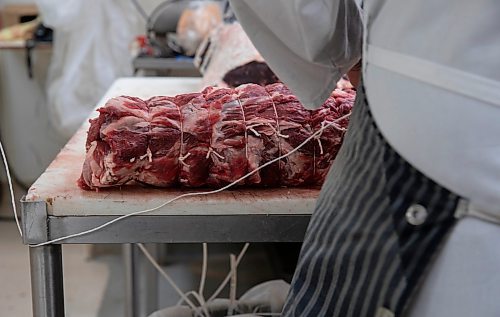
(47, 281)
(141, 282)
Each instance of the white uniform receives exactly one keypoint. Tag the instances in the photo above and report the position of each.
(432, 78)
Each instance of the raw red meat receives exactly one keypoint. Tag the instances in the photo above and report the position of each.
(213, 138)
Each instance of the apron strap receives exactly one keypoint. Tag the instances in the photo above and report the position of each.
(452, 79)
(466, 208)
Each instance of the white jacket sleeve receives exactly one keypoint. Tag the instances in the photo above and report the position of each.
(309, 44)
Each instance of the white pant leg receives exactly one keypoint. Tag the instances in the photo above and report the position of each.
(464, 280)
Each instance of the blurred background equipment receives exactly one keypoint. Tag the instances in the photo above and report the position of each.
(15, 12)
(174, 30)
(227, 57)
(160, 22)
(195, 23)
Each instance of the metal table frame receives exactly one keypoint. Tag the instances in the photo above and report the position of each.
(46, 261)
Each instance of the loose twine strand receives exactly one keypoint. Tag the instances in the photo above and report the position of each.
(11, 189)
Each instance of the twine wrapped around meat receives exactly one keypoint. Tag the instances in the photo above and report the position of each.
(213, 138)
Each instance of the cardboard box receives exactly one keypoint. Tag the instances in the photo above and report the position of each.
(16, 13)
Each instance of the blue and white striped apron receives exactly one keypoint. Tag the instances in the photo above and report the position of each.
(377, 225)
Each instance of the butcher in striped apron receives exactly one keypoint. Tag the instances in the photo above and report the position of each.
(411, 205)
(377, 225)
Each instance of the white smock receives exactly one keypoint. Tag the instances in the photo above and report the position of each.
(431, 70)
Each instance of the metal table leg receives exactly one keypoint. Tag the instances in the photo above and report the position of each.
(141, 282)
(47, 281)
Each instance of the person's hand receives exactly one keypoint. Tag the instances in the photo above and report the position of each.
(355, 74)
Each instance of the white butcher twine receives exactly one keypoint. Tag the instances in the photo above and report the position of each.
(210, 149)
(278, 132)
(181, 150)
(246, 128)
(9, 179)
(202, 309)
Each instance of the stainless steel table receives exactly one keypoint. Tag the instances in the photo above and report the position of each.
(168, 63)
(166, 66)
(56, 207)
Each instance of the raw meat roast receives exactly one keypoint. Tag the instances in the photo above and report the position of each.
(213, 138)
